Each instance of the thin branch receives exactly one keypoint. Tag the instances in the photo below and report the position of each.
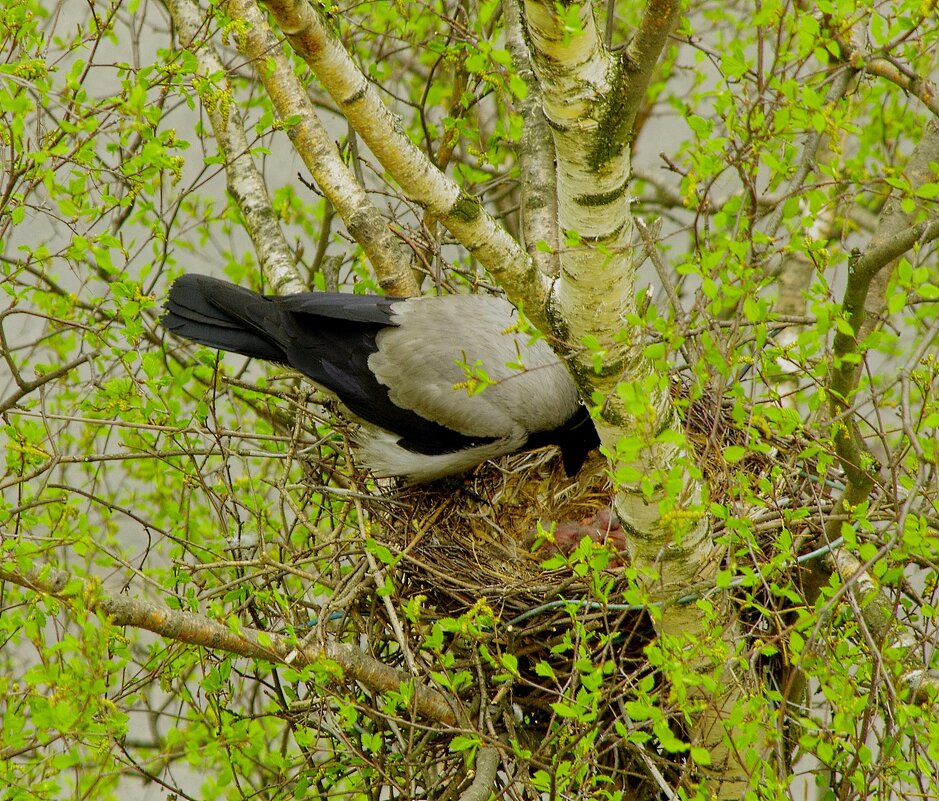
(889, 69)
(26, 387)
(644, 51)
(319, 153)
(878, 613)
(309, 33)
(245, 182)
(193, 629)
(487, 765)
(809, 159)
(648, 241)
(896, 233)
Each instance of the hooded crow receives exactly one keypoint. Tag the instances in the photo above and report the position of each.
(403, 367)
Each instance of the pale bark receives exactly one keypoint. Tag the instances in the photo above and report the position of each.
(583, 86)
(589, 101)
(245, 182)
(319, 153)
(420, 180)
(539, 211)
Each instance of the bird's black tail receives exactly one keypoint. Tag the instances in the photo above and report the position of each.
(225, 316)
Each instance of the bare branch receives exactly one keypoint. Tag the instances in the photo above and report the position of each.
(318, 151)
(195, 629)
(646, 48)
(877, 257)
(245, 182)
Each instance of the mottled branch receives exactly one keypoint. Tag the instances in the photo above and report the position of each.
(536, 157)
(193, 629)
(646, 48)
(897, 232)
(245, 182)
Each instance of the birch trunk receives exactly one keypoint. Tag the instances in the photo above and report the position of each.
(589, 101)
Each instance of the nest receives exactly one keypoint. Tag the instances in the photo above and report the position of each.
(475, 541)
(477, 537)
(480, 538)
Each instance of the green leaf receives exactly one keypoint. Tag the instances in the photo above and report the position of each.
(701, 756)
(928, 191)
(544, 670)
(564, 709)
(464, 742)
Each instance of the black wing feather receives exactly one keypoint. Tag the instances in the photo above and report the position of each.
(326, 336)
(211, 313)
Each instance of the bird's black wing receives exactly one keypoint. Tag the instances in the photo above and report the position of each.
(328, 337)
(224, 316)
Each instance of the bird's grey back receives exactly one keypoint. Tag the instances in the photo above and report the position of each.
(420, 358)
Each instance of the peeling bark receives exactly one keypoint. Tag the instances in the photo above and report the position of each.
(590, 100)
(420, 180)
(245, 182)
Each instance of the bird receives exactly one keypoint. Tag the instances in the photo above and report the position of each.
(439, 383)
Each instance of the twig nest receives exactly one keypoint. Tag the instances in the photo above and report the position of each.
(488, 533)
(479, 536)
